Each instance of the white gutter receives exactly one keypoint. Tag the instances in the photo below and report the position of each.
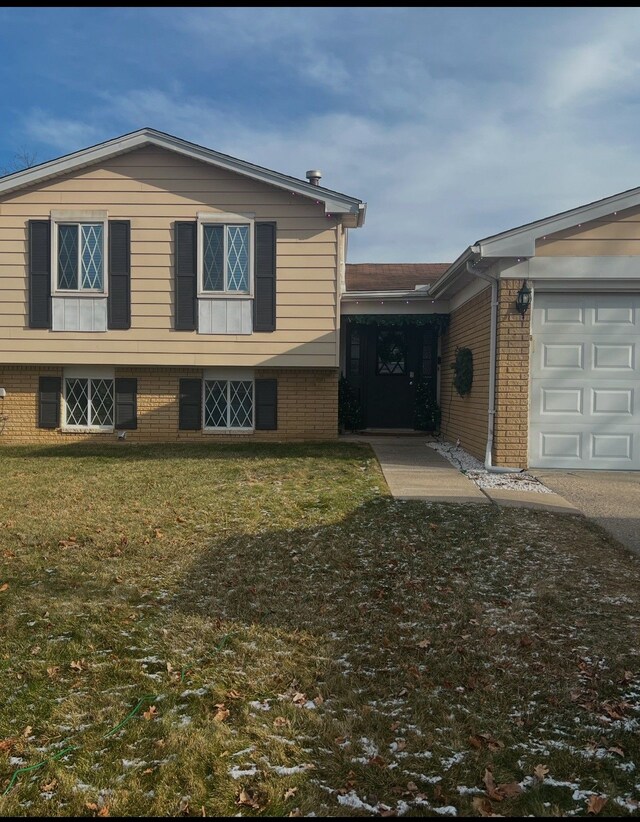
(492, 368)
(421, 294)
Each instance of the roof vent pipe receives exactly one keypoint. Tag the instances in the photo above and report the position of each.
(314, 176)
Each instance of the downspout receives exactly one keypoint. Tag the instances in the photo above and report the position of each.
(492, 370)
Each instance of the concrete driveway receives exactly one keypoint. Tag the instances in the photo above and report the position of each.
(611, 498)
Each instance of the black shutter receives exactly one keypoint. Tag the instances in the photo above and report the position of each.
(266, 405)
(264, 304)
(186, 267)
(190, 415)
(49, 402)
(39, 274)
(119, 297)
(126, 403)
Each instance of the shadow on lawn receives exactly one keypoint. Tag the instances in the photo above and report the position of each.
(189, 450)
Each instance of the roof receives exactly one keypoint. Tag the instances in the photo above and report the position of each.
(520, 241)
(335, 203)
(391, 276)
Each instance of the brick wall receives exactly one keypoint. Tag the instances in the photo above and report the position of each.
(510, 440)
(466, 417)
(307, 406)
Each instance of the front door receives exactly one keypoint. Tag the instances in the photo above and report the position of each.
(384, 364)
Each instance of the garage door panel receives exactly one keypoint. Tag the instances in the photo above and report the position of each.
(585, 381)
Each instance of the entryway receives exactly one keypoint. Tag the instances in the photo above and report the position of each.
(386, 364)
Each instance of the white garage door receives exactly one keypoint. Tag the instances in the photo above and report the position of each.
(585, 381)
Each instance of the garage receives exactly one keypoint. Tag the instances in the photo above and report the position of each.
(585, 381)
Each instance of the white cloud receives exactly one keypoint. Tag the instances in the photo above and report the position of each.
(444, 154)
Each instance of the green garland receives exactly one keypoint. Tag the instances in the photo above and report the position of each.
(463, 369)
(427, 410)
(349, 409)
(439, 321)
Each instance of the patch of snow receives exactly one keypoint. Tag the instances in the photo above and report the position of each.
(238, 773)
(446, 810)
(476, 471)
(282, 771)
(260, 706)
(352, 800)
(456, 759)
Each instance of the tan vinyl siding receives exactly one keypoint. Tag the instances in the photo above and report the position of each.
(307, 407)
(466, 417)
(616, 235)
(152, 188)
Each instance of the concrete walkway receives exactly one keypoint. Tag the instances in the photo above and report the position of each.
(415, 471)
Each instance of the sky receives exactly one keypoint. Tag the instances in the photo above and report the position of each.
(451, 123)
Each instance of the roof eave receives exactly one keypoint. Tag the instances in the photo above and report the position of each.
(335, 204)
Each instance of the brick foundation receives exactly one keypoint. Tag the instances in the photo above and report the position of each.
(307, 407)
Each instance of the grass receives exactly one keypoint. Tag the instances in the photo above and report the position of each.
(305, 643)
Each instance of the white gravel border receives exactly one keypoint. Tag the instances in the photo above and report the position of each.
(476, 471)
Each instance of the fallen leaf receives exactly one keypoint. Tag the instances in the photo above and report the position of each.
(425, 643)
(401, 744)
(7, 744)
(49, 786)
(91, 806)
(4, 586)
(290, 793)
(526, 641)
(299, 699)
(295, 812)
(509, 789)
(318, 700)
(150, 713)
(377, 760)
(540, 771)
(27, 731)
(482, 806)
(234, 694)
(280, 722)
(616, 750)
(104, 811)
(76, 665)
(148, 770)
(158, 533)
(180, 519)
(490, 786)
(221, 714)
(411, 786)
(249, 798)
(596, 803)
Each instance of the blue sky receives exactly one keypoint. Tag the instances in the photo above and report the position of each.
(453, 124)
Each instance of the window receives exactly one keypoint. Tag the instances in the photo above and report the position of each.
(79, 260)
(89, 402)
(228, 404)
(391, 355)
(225, 265)
(355, 350)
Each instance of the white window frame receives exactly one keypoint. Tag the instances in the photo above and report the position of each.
(225, 219)
(87, 374)
(79, 218)
(229, 376)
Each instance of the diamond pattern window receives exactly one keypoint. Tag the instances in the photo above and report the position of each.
(89, 402)
(228, 404)
(225, 260)
(391, 352)
(81, 257)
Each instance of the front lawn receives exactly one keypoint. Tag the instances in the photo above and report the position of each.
(279, 637)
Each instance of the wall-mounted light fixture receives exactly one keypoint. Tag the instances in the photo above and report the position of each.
(523, 299)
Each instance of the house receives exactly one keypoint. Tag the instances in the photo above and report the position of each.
(555, 383)
(156, 290)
